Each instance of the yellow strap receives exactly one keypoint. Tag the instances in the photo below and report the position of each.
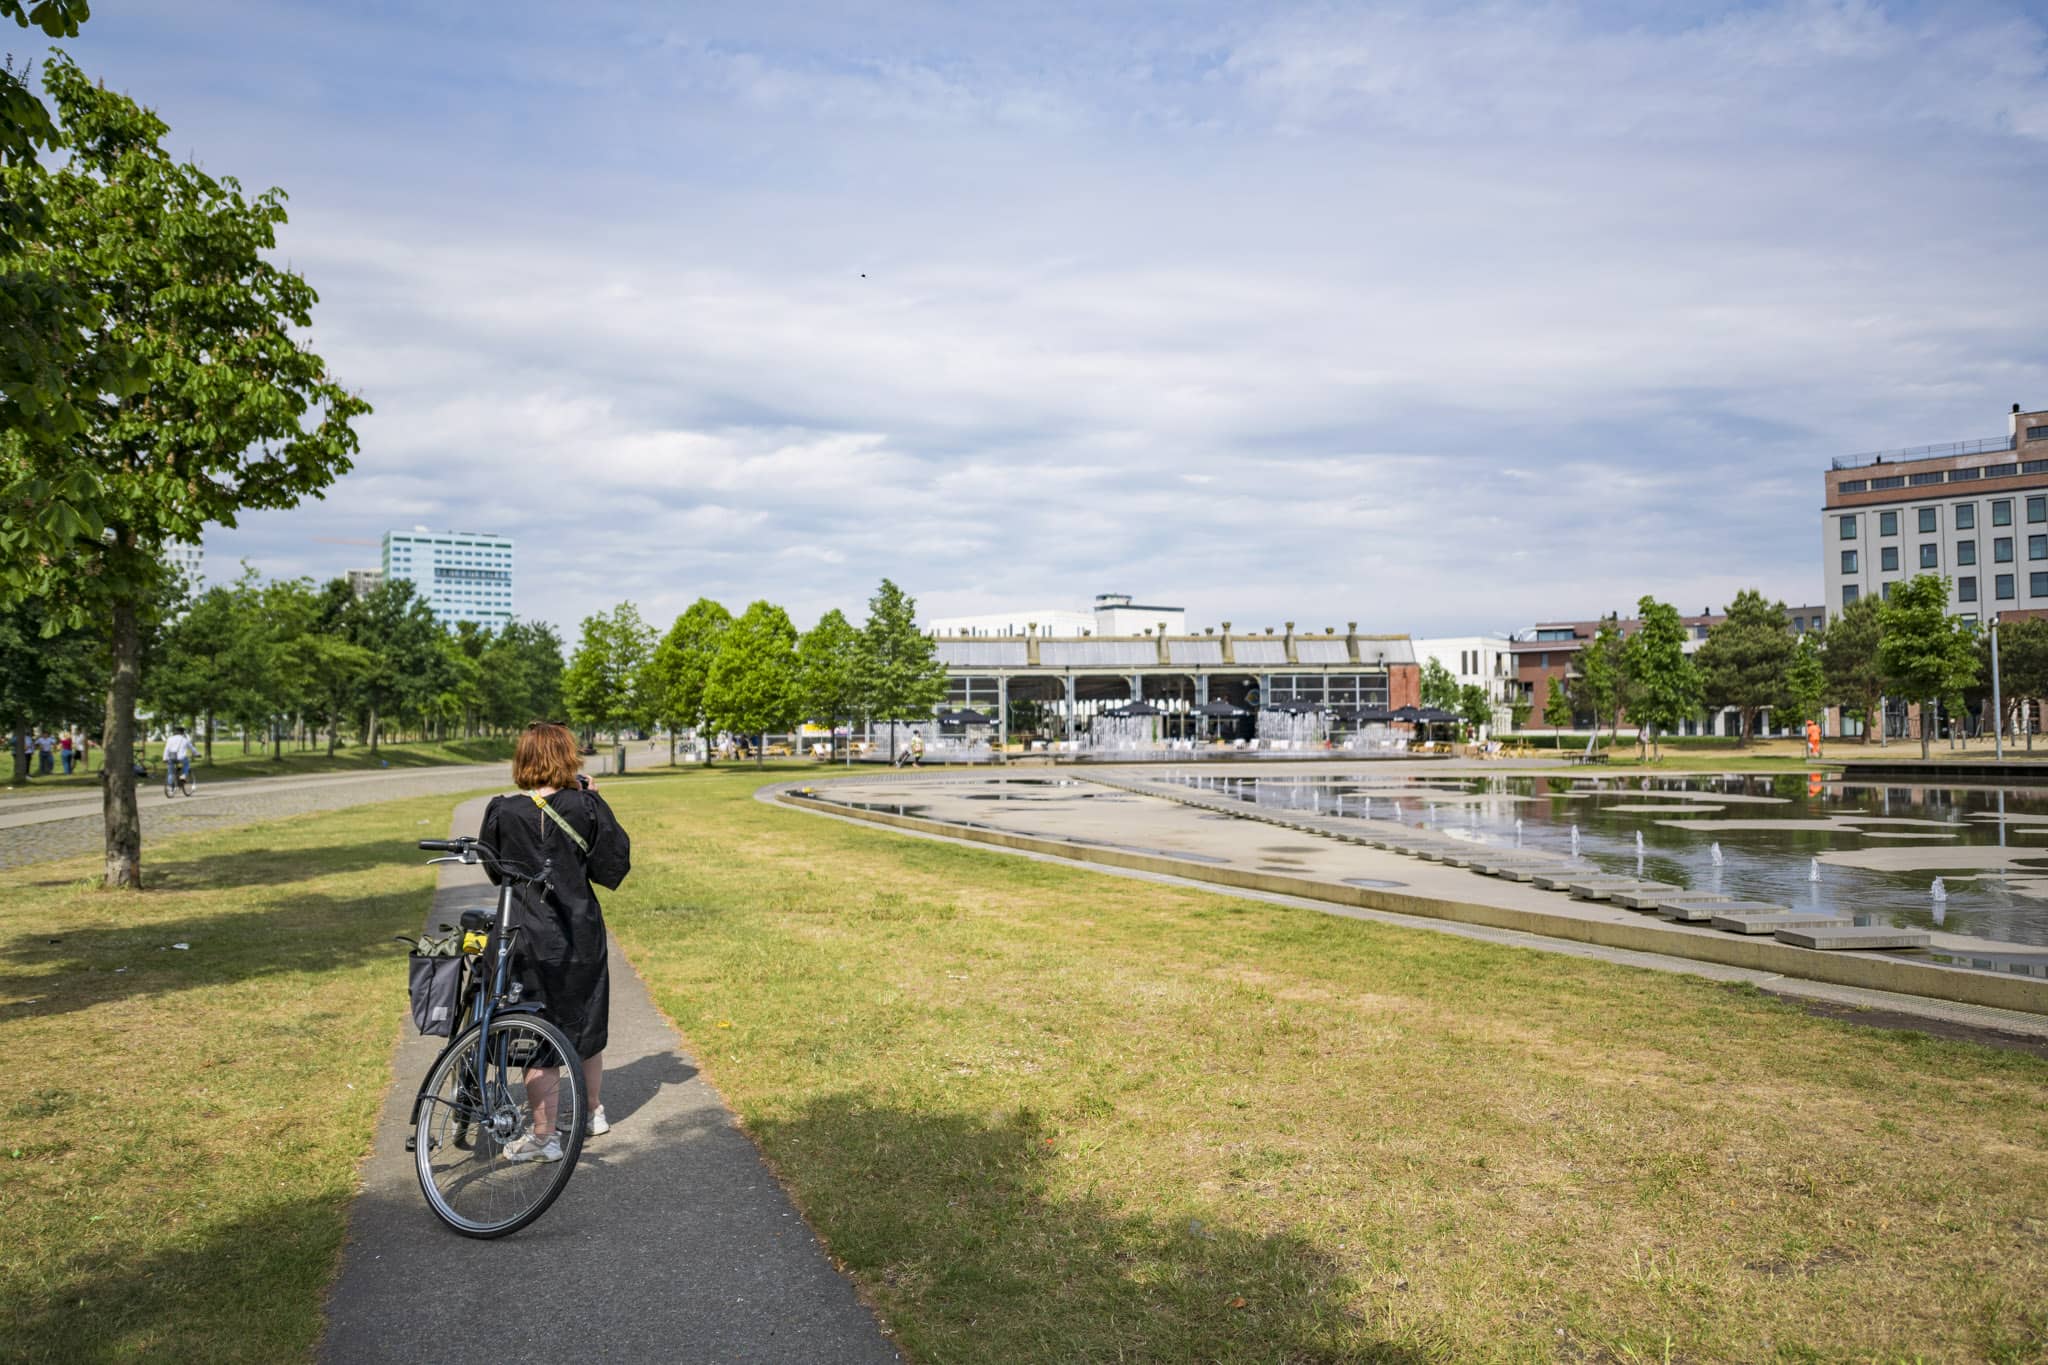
(559, 819)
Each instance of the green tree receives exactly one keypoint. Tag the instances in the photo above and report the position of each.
(1743, 662)
(901, 676)
(1806, 681)
(520, 675)
(398, 630)
(1848, 658)
(2022, 668)
(753, 687)
(1558, 711)
(1664, 687)
(228, 410)
(1474, 707)
(828, 672)
(1520, 708)
(1439, 686)
(1602, 685)
(602, 686)
(44, 680)
(680, 667)
(1926, 655)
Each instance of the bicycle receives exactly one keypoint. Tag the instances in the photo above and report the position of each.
(475, 1102)
(178, 778)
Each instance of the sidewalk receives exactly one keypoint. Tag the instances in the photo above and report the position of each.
(673, 1242)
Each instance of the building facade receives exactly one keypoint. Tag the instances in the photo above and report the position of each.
(1067, 680)
(461, 575)
(1114, 613)
(187, 559)
(363, 582)
(1485, 660)
(1975, 512)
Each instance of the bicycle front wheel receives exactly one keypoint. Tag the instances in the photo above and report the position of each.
(484, 1170)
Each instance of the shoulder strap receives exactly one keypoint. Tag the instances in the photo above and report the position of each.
(560, 822)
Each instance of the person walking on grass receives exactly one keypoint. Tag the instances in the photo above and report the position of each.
(558, 817)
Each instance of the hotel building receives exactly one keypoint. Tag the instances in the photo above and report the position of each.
(461, 575)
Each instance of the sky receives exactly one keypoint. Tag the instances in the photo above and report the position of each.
(1440, 318)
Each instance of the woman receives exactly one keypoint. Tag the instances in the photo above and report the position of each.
(558, 816)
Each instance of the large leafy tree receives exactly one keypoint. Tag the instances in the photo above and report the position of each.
(1806, 681)
(520, 677)
(828, 671)
(1439, 686)
(680, 667)
(1602, 685)
(753, 688)
(1743, 662)
(1664, 687)
(1558, 711)
(901, 676)
(1848, 658)
(1474, 707)
(401, 639)
(211, 661)
(602, 686)
(229, 409)
(1926, 655)
(2022, 667)
(44, 680)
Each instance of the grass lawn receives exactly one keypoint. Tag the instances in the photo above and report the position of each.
(179, 1129)
(230, 763)
(1043, 1114)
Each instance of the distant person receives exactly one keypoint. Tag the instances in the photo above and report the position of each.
(65, 752)
(916, 750)
(46, 752)
(177, 756)
(1813, 739)
(557, 817)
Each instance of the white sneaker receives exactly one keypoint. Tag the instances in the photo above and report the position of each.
(531, 1147)
(598, 1124)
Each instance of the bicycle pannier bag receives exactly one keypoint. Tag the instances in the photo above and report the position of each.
(436, 985)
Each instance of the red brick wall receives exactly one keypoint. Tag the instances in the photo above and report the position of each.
(1404, 685)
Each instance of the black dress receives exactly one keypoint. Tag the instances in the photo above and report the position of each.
(561, 948)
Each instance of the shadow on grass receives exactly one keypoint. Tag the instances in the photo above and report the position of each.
(963, 1232)
(246, 1290)
(97, 963)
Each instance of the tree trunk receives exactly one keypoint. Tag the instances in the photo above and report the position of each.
(761, 749)
(209, 739)
(671, 746)
(117, 802)
(333, 733)
(276, 741)
(1926, 737)
(373, 729)
(19, 752)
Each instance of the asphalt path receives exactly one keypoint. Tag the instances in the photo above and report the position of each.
(672, 1243)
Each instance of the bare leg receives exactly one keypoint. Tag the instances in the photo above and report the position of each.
(542, 1086)
(593, 1080)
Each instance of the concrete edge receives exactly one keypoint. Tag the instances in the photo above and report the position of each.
(1896, 976)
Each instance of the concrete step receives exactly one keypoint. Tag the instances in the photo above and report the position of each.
(1604, 890)
(1687, 911)
(1650, 900)
(1853, 936)
(1563, 879)
(1786, 919)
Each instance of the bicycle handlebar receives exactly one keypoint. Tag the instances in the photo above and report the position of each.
(444, 845)
(474, 850)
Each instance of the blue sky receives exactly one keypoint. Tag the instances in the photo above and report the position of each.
(1439, 318)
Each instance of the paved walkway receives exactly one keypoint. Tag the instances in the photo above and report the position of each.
(673, 1242)
(36, 830)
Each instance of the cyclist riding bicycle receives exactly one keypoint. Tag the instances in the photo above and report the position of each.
(177, 758)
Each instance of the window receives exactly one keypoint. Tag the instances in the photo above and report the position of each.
(2000, 471)
(1888, 559)
(1966, 589)
(2037, 510)
(1848, 561)
(1929, 522)
(1856, 486)
(1848, 533)
(2034, 466)
(1964, 475)
(2037, 585)
(1895, 481)
(1922, 480)
(1966, 552)
(1930, 556)
(1887, 523)
(1799, 625)
(1887, 593)
(1848, 594)
(2037, 433)
(1966, 516)
(2001, 512)
(2037, 547)
(2001, 587)
(2001, 550)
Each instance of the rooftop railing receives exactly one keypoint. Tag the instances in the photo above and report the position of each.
(1983, 447)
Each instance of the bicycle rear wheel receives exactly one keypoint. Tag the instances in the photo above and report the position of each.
(464, 1123)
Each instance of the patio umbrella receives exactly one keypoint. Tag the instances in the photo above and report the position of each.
(968, 716)
(1222, 710)
(1411, 714)
(1141, 708)
(1437, 716)
(1367, 715)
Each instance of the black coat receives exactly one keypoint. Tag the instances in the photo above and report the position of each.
(561, 947)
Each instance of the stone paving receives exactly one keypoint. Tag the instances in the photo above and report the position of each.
(69, 825)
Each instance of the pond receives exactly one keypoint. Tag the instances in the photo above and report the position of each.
(1876, 850)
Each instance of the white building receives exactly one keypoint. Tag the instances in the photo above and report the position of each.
(462, 575)
(1114, 614)
(188, 561)
(1486, 660)
(363, 582)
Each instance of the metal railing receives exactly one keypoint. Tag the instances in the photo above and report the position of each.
(1983, 447)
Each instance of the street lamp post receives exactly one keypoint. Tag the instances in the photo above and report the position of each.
(1997, 702)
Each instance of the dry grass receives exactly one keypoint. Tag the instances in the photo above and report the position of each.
(1046, 1114)
(179, 1128)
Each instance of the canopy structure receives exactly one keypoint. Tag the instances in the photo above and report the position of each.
(964, 716)
(1222, 710)
(1434, 715)
(1366, 715)
(1136, 708)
